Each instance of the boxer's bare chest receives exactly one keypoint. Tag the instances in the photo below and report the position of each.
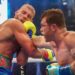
(63, 53)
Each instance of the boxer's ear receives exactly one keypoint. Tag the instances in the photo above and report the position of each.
(16, 12)
(53, 27)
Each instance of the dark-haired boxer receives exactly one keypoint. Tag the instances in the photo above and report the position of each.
(53, 27)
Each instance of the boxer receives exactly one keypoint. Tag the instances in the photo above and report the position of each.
(62, 41)
(14, 38)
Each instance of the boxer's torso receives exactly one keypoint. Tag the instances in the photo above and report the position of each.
(63, 55)
(65, 50)
(8, 46)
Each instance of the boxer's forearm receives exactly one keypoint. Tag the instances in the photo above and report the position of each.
(73, 67)
(36, 54)
(44, 45)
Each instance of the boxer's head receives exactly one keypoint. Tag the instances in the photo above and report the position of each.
(52, 20)
(26, 12)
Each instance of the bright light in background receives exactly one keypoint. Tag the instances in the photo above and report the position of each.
(3, 11)
(64, 3)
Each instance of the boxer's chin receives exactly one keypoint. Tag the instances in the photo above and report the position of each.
(47, 39)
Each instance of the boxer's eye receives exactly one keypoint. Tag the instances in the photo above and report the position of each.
(29, 16)
(23, 12)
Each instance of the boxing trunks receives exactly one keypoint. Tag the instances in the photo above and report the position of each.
(4, 61)
(5, 71)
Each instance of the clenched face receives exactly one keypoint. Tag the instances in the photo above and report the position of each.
(46, 29)
(24, 14)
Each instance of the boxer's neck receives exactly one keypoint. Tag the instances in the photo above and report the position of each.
(59, 35)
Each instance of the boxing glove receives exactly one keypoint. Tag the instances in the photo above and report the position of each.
(30, 28)
(47, 54)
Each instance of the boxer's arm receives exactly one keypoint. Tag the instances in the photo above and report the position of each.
(24, 40)
(73, 67)
(73, 63)
(40, 42)
(22, 57)
(22, 37)
(72, 52)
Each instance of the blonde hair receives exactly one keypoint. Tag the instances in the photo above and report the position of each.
(29, 7)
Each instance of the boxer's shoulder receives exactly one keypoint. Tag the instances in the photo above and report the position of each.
(70, 39)
(13, 24)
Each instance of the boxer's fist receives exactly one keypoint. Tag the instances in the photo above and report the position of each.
(30, 28)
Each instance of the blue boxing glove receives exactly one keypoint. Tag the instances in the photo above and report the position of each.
(59, 70)
(66, 70)
(52, 70)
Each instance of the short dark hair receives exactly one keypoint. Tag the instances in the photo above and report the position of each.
(54, 16)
